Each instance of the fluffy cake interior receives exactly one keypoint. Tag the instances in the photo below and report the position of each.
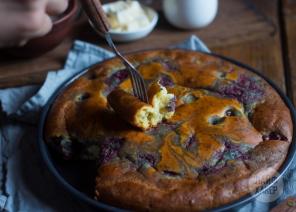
(162, 107)
(163, 103)
(147, 117)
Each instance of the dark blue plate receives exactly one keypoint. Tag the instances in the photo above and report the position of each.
(80, 182)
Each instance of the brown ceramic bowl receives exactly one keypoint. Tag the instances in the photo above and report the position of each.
(62, 26)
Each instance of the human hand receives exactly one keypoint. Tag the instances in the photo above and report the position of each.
(22, 20)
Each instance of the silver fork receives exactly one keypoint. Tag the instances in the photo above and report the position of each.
(99, 22)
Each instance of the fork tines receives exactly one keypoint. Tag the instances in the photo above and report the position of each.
(138, 84)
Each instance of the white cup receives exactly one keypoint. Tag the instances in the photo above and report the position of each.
(190, 14)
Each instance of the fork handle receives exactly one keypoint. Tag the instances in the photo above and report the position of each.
(96, 14)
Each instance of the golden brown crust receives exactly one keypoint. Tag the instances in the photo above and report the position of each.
(190, 195)
(276, 120)
(230, 130)
(126, 105)
(154, 88)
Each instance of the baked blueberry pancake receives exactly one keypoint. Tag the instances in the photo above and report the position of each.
(210, 130)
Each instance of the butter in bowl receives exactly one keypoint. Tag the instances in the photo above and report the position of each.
(129, 20)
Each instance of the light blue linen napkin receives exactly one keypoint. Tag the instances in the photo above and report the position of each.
(25, 184)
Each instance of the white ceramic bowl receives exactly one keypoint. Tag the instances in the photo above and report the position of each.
(135, 35)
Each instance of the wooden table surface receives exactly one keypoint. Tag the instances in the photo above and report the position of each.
(260, 33)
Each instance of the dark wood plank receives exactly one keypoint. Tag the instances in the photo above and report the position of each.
(240, 31)
(263, 54)
(17, 72)
(289, 12)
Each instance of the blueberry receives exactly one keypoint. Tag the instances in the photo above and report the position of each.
(109, 148)
(166, 81)
(246, 90)
(171, 105)
(219, 160)
(274, 136)
(147, 158)
(115, 79)
(170, 65)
